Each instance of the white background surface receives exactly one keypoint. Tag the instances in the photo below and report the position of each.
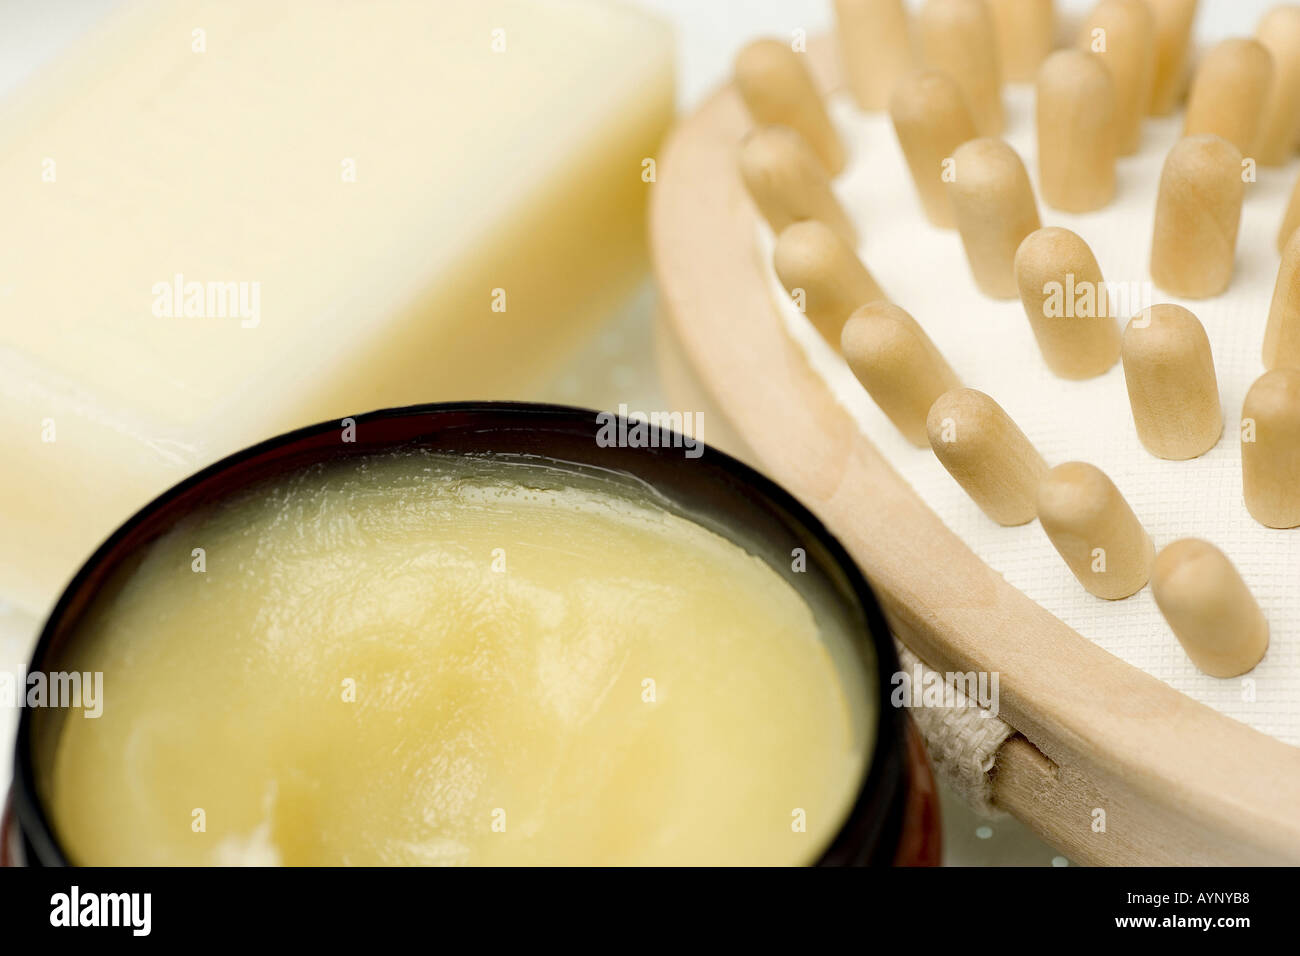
(616, 367)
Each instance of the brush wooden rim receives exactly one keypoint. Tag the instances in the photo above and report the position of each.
(1179, 782)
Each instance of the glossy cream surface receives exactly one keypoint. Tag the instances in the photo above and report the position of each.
(419, 660)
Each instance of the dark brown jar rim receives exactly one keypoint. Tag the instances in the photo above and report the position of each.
(743, 505)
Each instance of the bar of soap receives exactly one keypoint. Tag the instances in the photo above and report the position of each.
(416, 659)
(366, 205)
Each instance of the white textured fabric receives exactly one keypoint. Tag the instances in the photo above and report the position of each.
(962, 740)
(990, 345)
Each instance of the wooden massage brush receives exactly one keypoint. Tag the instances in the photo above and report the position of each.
(881, 263)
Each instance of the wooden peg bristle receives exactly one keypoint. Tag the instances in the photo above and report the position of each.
(995, 209)
(898, 365)
(987, 453)
(1121, 33)
(1172, 388)
(823, 273)
(1209, 608)
(1279, 125)
(1172, 25)
(931, 119)
(1198, 211)
(1076, 132)
(788, 183)
(1270, 448)
(1026, 32)
(1094, 530)
(778, 89)
(1067, 303)
(1228, 92)
(1290, 218)
(875, 48)
(957, 36)
(1282, 333)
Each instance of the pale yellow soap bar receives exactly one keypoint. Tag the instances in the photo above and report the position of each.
(223, 220)
(416, 661)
